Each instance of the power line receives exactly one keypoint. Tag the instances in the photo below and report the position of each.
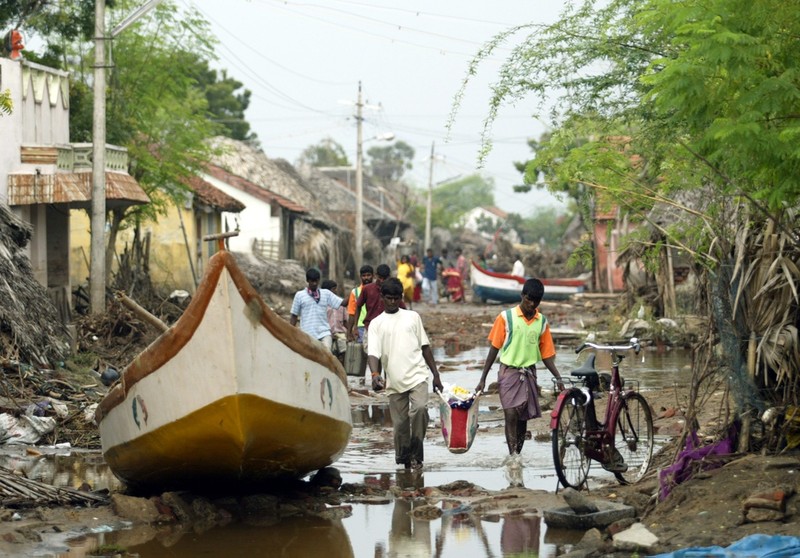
(429, 14)
(440, 50)
(236, 61)
(261, 54)
(390, 24)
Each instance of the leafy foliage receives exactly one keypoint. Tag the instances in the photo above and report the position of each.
(388, 163)
(683, 115)
(6, 106)
(155, 107)
(326, 153)
(546, 227)
(49, 19)
(225, 103)
(451, 200)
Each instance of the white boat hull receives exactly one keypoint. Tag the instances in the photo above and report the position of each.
(230, 393)
(504, 288)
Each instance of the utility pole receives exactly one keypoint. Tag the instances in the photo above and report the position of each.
(97, 247)
(97, 270)
(430, 195)
(359, 185)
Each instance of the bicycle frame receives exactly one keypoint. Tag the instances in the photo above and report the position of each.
(599, 436)
(622, 443)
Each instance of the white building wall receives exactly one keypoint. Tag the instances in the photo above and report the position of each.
(255, 221)
(40, 116)
(10, 124)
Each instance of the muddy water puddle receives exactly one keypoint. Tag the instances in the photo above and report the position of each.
(387, 530)
(375, 530)
(651, 369)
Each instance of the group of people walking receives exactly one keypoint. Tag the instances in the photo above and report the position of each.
(399, 354)
(434, 273)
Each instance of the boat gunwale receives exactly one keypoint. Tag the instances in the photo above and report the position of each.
(506, 294)
(171, 342)
(498, 275)
(546, 281)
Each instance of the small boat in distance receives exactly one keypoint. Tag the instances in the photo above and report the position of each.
(230, 394)
(505, 288)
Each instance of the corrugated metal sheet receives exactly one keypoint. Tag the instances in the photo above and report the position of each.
(74, 188)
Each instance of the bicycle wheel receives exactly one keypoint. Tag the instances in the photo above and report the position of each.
(571, 463)
(633, 437)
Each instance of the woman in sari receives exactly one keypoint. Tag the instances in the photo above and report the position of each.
(405, 272)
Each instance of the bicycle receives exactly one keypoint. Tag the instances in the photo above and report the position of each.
(622, 444)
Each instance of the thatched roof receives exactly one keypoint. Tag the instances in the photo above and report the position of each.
(379, 203)
(331, 187)
(30, 328)
(276, 175)
(242, 159)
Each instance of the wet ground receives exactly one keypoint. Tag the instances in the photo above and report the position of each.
(383, 528)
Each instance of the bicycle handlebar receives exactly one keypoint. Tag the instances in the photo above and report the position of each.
(634, 344)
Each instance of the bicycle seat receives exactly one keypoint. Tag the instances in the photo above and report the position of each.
(586, 368)
(587, 371)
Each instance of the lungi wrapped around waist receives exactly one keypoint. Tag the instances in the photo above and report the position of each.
(518, 389)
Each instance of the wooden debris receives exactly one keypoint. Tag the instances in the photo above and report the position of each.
(16, 490)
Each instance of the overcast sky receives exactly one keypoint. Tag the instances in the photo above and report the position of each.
(303, 61)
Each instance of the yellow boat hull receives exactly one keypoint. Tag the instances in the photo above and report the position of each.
(231, 393)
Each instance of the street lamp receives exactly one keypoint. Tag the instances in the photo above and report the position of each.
(359, 255)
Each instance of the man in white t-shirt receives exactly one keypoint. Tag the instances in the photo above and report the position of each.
(398, 345)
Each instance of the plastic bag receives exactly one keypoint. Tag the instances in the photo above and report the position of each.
(459, 416)
(25, 429)
(457, 397)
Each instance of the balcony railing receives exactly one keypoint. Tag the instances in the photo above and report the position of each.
(74, 157)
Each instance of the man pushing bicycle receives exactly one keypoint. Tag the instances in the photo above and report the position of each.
(521, 336)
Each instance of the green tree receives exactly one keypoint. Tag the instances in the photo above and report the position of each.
(691, 106)
(155, 106)
(326, 153)
(715, 80)
(58, 23)
(545, 225)
(227, 102)
(388, 163)
(451, 200)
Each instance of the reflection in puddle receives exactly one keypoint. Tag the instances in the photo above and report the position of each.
(292, 537)
(453, 346)
(457, 533)
(402, 528)
(61, 468)
(371, 415)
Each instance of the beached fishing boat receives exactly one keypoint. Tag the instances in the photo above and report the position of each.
(231, 393)
(505, 288)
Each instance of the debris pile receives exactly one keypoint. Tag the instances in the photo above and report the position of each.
(30, 327)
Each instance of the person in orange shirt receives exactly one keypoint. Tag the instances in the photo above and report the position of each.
(366, 274)
(521, 336)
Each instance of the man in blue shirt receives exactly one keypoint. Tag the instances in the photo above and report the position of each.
(430, 269)
(311, 306)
